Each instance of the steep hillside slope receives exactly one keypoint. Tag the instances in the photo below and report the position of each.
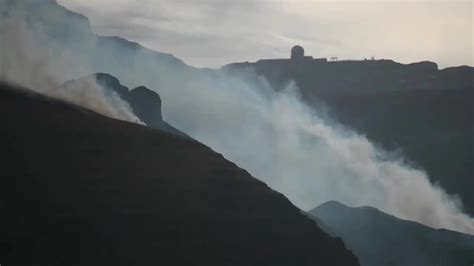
(78, 188)
(381, 239)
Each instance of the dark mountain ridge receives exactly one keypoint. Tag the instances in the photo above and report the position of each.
(78, 188)
(378, 238)
(314, 76)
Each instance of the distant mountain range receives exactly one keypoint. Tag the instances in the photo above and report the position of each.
(78, 188)
(377, 238)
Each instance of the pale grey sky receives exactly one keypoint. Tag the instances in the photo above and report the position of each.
(211, 33)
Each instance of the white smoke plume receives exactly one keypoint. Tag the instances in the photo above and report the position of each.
(311, 160)
(273, 135)
(28, 62)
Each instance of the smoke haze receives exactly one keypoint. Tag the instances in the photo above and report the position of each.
(26, 60)
(273, 135)
(311, 160)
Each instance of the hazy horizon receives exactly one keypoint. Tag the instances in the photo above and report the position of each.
(214, 33)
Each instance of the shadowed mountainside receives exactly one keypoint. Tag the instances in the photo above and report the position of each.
(381, 239)
(78, 188)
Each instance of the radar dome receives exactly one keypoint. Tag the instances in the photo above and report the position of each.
(297, 52)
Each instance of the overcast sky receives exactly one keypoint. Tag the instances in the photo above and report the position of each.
(211, 33)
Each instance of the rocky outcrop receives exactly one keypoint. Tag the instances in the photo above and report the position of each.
(145, 103)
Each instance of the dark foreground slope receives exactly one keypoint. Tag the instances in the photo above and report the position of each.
(78, 188)
(381, 239)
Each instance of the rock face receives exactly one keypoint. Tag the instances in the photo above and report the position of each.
(78, 188)
(145, 103)
(381, 239)
(109, 82)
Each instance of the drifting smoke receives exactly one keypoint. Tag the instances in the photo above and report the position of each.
(25, 61)
(311, 160)
(271, 134)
